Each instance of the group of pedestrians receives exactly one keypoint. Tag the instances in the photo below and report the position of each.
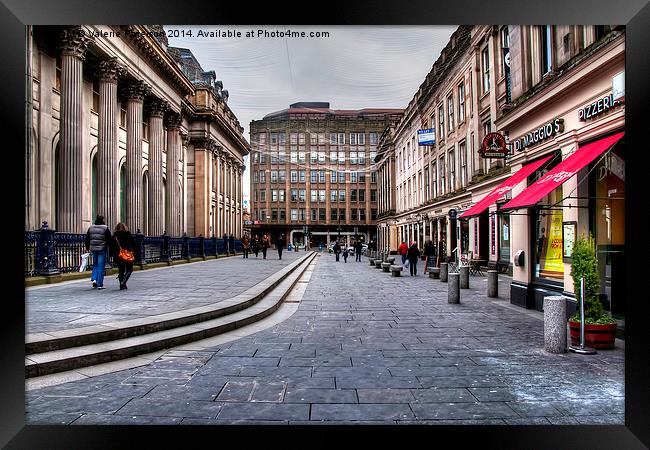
(264, 243)
(338, 250)
(101, 243)
(412, 255)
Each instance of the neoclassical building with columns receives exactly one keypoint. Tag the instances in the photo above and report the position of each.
(122, 125)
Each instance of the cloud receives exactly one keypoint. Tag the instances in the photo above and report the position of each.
(355, 67)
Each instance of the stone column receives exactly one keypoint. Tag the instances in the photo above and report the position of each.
(156, 109)
(135, 94)
(108, 72)
(73, 43)
(202, 148)
(218, 231)
(231, 185)
(172, 201)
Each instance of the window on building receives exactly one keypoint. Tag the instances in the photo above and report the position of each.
(294, 195)
(321, 176)
(334, 214)
(274, 138)
(362, 157)
(321, 157)
(333, 157)
(294, 176)
(283, 214)
(321, 214)
(354, 215)
(313, 156)
(462, 150)
(461, 102)
(333, 195)
(353, 195)
(373, 195)
(450, 113)
(281, 193)
(294, 215)
(443, 168)
(353, 157)
(321, 195)
(301, 138)
(282, 157)
(546, 43)
(451, 162)
(373, 138)
(263, 195)
(341, 195)
(313, 175)
(274, 195)
(341, 177)
(262, 157)
(362, 214)
(373, 214)
(441, 119)
(341, 140)
(485, 69)
(123, 117)
(293, 138)
(373, 155)
(341, 157)
(434, 180)
(314, 195)
(362, 195)
(262, 176)
(274, 157)
(333, 177)
(313, 138)
(353, 138)
(362, 177)
(301, 157)
(263, 215)
(274, 214)
(314, 214)
(145, 131)
(373, 176)
(301, 176)
(353, 177)
(282, 176)
(301, 195)
(505, 43)
(282, 138)
(294, 157)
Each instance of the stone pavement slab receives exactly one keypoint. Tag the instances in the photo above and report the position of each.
(157, 291)
(362, 348)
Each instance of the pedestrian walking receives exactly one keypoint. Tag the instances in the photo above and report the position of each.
(345, 255)
(226, 243)
(429, 252)
(337, 250)
(122, 240)
(403, 249)
(231, 244)
(358, 248)
(245, 244)
(279, 244)
(266, 243)
(413, 256)
(98, 237)
(256, 245)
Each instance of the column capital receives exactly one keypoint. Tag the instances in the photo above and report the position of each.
(204, 142)
(110, 70)
(156, 107)
(173, 120)
(185, 139)
(74, 41)
(137, 90)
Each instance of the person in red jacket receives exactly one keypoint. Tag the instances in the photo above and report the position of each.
(403, 249)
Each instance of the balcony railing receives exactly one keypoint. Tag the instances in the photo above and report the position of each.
(48, 252)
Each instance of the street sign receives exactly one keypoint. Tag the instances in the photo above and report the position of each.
(427, 137)
(452, 213)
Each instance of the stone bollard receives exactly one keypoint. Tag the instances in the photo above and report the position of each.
(434, 272)
(555, 324)
(378, 263)
(444, 272)
(372, 262)
(453, 289)
(464, 277)
(493, 283)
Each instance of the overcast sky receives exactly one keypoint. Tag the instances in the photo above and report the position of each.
(355, 67)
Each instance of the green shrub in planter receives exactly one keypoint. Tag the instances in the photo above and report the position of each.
(585, 264)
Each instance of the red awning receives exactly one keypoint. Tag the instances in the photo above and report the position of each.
(562, 172)
(504, 188)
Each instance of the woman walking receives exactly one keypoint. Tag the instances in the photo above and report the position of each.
(266, 243)
(122, 240)
(413, 255)
(245, 243)
(256, 245)
(279, 244)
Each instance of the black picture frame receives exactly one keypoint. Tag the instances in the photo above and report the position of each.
(15, 14)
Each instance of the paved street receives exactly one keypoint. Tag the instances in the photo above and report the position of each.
(156, 291)
(362, 347)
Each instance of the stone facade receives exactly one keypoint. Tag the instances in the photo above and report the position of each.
(114, 121)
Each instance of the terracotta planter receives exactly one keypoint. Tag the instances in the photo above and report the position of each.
(596, 336)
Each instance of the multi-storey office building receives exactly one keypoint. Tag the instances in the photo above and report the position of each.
(312, 170)
(123, 126)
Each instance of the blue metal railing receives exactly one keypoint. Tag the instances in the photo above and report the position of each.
(48, 252)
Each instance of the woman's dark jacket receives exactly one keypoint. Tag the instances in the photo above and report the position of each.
(413, 253)
(126, 242)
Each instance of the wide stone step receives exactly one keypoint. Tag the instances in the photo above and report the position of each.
(62, 359)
